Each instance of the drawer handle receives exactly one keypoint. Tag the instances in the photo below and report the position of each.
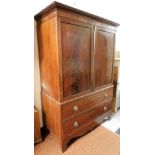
(105, 107)
(106, 95)
(76, 124)
(75, 108)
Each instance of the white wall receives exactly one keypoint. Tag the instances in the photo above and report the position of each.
(37, 87)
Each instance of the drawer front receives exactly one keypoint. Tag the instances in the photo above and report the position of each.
(77, 106)
(80, 121)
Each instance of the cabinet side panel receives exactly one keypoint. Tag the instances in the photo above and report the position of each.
(52, 115)
(49, 64)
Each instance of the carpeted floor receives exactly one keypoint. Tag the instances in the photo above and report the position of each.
(100, 141)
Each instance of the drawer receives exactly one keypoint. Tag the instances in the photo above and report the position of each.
(77, 106)
(80, 121)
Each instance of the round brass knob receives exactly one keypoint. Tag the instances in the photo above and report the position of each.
(76, 124)
(106, 95)
(105, 107)
(75, 108)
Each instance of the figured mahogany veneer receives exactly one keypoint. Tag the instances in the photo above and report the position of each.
(76, 52)
(104, 44)
(75, 58)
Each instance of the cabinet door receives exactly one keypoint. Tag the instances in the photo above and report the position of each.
(76, 57)
(104, 51)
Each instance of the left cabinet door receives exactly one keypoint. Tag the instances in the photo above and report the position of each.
(76, 40)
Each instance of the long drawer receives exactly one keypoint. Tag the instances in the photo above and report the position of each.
(77, 106)
(78, 122)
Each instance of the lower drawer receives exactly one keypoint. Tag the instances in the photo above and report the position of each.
(72, 125)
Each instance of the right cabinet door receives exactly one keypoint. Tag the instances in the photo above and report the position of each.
(104, 56)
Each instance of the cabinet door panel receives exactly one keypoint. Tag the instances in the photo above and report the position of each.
(76, 58)
(104, 51)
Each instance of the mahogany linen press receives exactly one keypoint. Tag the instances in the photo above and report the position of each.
(76, 54)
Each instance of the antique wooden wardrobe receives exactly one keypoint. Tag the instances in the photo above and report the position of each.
(76, 52)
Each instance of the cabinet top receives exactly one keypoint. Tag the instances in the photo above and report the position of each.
(72, 9)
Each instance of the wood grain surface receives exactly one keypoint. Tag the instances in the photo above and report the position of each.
(76, 51)
(76, 55)
(103, 57)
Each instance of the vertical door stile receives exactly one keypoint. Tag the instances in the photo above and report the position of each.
(93, 58)
(112, 76)
(59, 56)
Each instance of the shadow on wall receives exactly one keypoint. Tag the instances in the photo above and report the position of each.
(37, 87)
